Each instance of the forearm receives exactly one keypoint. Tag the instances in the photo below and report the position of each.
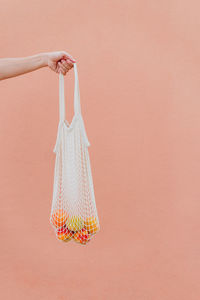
(11, 67)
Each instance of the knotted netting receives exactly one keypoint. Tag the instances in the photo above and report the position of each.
(73, 212)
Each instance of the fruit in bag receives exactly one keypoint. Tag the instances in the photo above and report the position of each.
(82, 236)
(59, 218)
(75, 223)
(64, 234)
(91, 225)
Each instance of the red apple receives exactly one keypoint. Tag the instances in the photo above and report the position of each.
(64, 234)
(82, 236)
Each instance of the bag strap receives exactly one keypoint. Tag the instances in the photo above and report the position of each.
(61, 97)
(77, 106)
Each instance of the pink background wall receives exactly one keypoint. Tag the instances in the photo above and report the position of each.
(139, 75)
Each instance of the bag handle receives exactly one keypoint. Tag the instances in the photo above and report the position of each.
(77, 106)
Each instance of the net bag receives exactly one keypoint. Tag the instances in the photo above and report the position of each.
(73, 212)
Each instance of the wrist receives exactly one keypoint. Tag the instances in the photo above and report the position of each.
(43, 57)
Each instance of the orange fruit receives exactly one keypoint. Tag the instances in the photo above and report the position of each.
(64, 234)
(91, 225)
(82, 236)
(75, 223)
(59, 218)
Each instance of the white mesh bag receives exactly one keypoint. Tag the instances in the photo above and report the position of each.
(73, 212)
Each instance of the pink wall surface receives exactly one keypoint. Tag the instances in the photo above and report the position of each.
(138, 64)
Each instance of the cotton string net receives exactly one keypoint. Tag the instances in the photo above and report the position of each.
(73, 213)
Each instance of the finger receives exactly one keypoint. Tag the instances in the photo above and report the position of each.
(68, 65)
(57, 69)
(68, 56)
(63, 72)
(62, 69)
(72, 60)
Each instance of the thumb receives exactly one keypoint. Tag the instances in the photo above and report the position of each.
(66, 56)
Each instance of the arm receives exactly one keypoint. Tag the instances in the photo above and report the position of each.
(57, 61)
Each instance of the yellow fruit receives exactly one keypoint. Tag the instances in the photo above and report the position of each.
(75, 223)
(91, 225)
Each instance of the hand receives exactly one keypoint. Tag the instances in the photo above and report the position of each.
(59, 61)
